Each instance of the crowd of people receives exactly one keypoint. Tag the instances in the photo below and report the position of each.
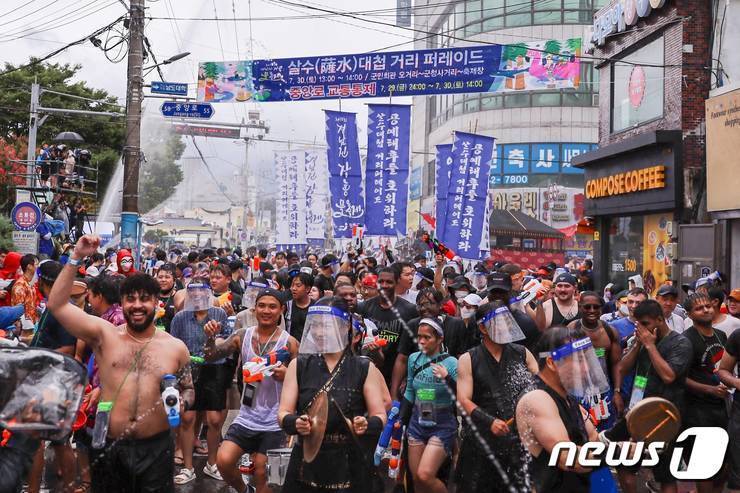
(58, 166)
(481, 369)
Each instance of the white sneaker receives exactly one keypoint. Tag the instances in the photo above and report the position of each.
(185, 476)
(212, 471)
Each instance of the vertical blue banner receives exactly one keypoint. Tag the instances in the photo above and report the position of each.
(387, 171)
(442, 168)
(468, 193)
(345, 172)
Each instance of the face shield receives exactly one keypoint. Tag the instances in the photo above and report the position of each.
(334, 265)
(501, 326)
(326, 330)
(417, 279)
(249, 300)
(579, 369)
(198, 297)
(477, 280)
(40, 391)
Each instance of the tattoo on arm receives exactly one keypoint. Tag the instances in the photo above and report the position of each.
(219, 348)
(185, 384)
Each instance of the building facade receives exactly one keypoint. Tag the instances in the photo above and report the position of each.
(537, 132)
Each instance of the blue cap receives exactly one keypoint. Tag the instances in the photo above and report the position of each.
(9, 314)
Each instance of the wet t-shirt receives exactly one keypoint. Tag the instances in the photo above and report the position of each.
(676, 350)
(389, 327)
(707, 353)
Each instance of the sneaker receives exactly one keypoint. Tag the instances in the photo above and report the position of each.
(212, 471)
(185, 476)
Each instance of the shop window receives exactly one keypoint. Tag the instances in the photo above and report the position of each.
(501, 241)
(529, 244)
(637, 86)
(625, 249)
(516, 100)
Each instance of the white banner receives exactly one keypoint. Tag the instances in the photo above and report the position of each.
(291, 201)
(317, 195)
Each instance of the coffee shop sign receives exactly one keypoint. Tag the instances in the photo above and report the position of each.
(621, 16)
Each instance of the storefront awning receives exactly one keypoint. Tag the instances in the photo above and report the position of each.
(515, 223)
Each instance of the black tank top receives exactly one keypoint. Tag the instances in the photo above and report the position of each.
(547, 478)
(169, 311)
(559, 319)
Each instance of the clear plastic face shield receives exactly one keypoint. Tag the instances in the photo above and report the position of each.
(326, 330)
(501, 326)
(417, 279)
(198, 297)
(334, 265)
(579, 370)
(249, 300)
(477, 280)
(40, 391)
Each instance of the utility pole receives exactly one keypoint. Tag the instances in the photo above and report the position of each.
(132, 145)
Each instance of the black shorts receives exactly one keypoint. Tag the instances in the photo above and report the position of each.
(210, 388)
(251, 441)
(733, 429)
(135, 466)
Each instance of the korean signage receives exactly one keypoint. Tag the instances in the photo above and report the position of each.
(317, 196)
(442, 167)
(25, 216)
(513, 164)
(403, 13)
(290, 205)
(171, 88)
(467, 195)
(187, 110)
(539, 65)
(387, 169)
(26, 242)
(622, 16)
(637, 180)
(203, 131)
(723, 149)
(345, 172)
(558, 207)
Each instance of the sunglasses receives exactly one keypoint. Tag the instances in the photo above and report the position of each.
(591, 307)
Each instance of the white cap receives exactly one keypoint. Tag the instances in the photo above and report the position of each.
(92, 271)
(473, 299)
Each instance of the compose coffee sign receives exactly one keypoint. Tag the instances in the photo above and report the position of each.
(638, 180)
(621, 16)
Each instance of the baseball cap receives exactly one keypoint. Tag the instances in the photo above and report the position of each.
(667, 290)
(426, 273)
(459, 282)
(735, 294)
(499, 280)
(370, 280)
(473, 300)
(567, 278)
(271, 292)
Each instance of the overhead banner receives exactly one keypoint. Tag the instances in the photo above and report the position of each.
(387, 170)
(291, 201)
(442, 167)
(345, 172)
(467, 197)
(317, 196)
(539, 65)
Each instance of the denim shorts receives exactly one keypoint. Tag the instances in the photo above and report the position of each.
(445, 430)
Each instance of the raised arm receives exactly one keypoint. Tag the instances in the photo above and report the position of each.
(78, 323)
(215, 348)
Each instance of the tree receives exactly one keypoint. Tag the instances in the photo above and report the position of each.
(104, 136)
(6, 233)
(160, 173)
(154, 236)
(12, 149)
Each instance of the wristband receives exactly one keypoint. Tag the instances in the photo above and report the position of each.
(374, 425)
(481, 418)
(288, 424)
(74, 261)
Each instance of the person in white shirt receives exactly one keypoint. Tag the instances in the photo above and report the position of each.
(667, 296)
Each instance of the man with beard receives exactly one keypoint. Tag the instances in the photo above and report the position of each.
(167, 290)
(125, 263)
(132, 361)
(490, 377)
(429, 305)
(562, 307)
(382, 311)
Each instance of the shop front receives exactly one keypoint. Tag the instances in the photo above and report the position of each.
(632, 192)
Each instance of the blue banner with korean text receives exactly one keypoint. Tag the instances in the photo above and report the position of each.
(468, 194)
(442, 166)
(345, 172)
(387, 170)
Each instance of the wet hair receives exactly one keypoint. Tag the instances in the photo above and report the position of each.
(648, 308)
(26, 260)
(592, 294)
(511, 269)
(192, 257)
(389, 270)
(139, 283)
(638, 292)
(399, 266)
(107, 287)
(96, 257)
(305, 278)
(696, 298)
(349, 275)
(292, 255)
(716, 293)
(553, 338)
(168, 267)
(222, 268)
(429, 293)
(280, 254)
(373, 262)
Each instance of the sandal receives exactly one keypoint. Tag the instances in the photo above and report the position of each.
(179, 461)
(83, 487)
(201, 449)
(185, 476)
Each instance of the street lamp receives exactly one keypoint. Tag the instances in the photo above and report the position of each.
(171, 59)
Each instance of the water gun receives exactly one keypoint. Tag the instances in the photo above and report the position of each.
(198, 360)
(385, 436)
(442, 249)
(256, 369)
(371, 338)
(394, 464)
(224, 299)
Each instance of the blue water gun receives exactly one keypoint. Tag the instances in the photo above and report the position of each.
(385, 437)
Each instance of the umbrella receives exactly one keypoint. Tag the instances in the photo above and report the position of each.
(69, 137)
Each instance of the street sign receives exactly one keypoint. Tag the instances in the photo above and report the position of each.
(187, 110)
(26, 216)
(26, 242)
(204, 131)
(171, 88)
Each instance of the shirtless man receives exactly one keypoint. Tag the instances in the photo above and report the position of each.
(132, 359)
(562, 308)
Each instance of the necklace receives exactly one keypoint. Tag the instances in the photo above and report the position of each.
(140, 341)
(262, 347)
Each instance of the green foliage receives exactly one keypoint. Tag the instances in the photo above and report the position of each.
(104, 136)
(512, 51)
(6, 233)
(154, 236)
(211, 69)
(552, 47)
(160, 173)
